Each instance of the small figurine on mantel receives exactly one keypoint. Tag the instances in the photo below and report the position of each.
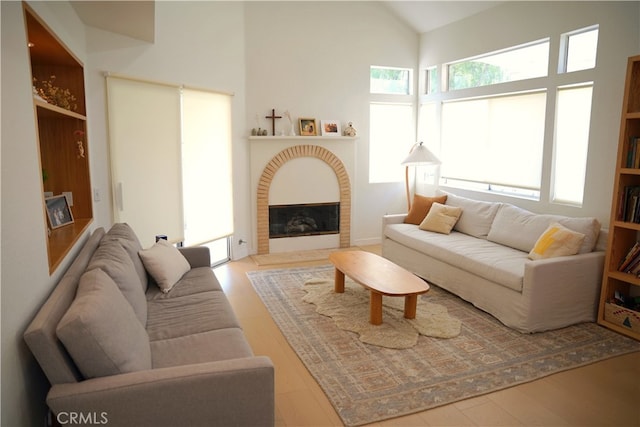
(349, 130)
(292, 129)
(258, 131)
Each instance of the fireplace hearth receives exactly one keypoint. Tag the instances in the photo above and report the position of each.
(303, 219)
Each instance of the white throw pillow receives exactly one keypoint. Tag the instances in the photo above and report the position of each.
(165, 264)
(557, 241)
(441, 218)
(518, 228)
(477, 215)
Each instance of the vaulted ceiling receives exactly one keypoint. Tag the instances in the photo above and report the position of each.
(136, 19)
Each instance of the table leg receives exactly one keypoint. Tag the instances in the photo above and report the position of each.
(339, 283)
(375, 316)
(410, 306)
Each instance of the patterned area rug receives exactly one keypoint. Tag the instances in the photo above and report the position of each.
(367, 383)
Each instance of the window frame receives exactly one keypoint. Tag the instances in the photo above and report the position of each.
(551, 83)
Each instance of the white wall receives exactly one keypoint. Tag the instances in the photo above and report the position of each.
(519, 22)
(313, 59)
(25, 268)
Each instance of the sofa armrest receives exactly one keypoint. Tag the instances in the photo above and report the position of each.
(564, 287)
(198, 256)
(235, 392)
(391, 219)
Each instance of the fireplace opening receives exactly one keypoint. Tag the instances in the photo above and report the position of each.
(304, 219)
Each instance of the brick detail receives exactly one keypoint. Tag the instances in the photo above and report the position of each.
(269, 172)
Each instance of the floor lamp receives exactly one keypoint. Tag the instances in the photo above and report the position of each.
(418, 156)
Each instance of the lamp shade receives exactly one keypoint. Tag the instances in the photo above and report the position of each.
(420, 155)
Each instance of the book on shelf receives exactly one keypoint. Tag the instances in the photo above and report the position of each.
(633, 153)
(631, 261)
(629, 206)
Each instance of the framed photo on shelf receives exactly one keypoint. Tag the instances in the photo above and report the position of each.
(330, 127)
(58, 211)
(307, 127)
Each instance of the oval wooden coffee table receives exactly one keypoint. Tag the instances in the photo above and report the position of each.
(381, 277)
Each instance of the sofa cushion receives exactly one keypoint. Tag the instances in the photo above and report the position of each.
(420, 208)
(165, 264)
(114, 260)
(477, 216)
(441, 218)
(124, 234)
(189, 314)
(219, 344)
(100, 330)
(520, 229)
(195, 281)
(481, 257)
(557, 241)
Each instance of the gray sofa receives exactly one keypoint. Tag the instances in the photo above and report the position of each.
(119, 350)
(486, 260)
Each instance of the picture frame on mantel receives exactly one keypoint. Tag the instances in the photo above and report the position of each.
(307, 126)
(330, 127)
(58, 211)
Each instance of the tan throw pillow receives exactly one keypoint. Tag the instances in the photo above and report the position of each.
(100, 330)
(165, 264)
(441, 218)
(420, 208)
(557, 241)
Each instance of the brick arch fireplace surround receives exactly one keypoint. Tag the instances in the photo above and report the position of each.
(270, 171)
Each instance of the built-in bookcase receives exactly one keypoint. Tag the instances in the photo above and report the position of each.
(61, 126)
(621, 281)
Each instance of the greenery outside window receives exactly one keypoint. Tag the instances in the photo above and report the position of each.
(389, 80)
(517, 63)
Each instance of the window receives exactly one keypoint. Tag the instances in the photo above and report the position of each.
(392, 123)
(184, 189)
(391, 138)
(578, 50)
(573, 115)
(496, 137)
(518, 63)
(431, 79)
(500, 144)
(390, 80)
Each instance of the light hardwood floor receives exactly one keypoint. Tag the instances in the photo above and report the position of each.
(601, 394)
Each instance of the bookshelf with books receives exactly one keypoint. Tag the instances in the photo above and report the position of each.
(620, 294)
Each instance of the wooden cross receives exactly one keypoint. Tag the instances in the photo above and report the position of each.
(273, 118)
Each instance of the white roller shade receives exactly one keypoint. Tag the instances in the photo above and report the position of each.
(144, 137)
(206, 151)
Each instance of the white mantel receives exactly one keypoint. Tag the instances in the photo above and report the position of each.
(300, 180)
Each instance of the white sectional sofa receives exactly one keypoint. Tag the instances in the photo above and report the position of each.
(485, 260)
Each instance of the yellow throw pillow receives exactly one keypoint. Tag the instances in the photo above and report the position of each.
(441, 218)
(556, 241)
(420, 207)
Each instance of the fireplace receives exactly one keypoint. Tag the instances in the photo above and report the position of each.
(275, 157)
(307, 219)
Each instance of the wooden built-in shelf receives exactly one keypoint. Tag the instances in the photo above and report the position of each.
(50, 110)
(62, 239)
(623, 235)
(63, 164)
